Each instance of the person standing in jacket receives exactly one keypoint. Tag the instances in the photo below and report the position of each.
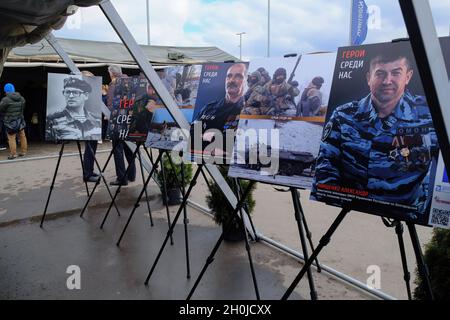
(12, 107)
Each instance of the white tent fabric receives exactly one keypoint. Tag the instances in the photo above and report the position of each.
(87, 51)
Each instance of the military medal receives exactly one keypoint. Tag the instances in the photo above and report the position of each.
(405, 152)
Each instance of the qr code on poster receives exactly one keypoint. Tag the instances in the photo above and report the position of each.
(440, 218)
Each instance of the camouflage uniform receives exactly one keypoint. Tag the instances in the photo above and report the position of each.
(390, 158)
(310, 103)
(254, 97)
(280, 98)
(62, 126)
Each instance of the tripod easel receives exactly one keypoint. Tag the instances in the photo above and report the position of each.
(241, 202)
(102, 177)
(399, 231)
(144, 188)
(61, 151)
(301, 222)
(133, 158)
(181, 186)
(325, 240)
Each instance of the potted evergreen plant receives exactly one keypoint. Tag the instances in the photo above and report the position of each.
(222, 209)
(174, 196)
(437, 258)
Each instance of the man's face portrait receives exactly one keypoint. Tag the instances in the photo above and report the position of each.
(234, 83)
(388, 81)
(75, 98)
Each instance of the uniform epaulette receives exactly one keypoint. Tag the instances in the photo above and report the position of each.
(349, 106)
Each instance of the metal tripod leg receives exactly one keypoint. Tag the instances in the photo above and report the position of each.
(247, 245)
(164, 187)
(308, 233)
(82, 166)
(133, 158)
(239, 190)
(172, 227)
(299, 217)
(146, 194)
(421, 266)
(136, 205)
(61, 151)
(228, 225)
(322, 243)
(102, 171)
(406, 274)
(182, 188)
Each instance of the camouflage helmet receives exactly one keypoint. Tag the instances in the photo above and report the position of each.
(257, 75)
(280, 72)
(318, 81)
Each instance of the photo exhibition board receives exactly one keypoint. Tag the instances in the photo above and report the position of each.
(281, 124)
(182, 82)
(130, 109)
(73, 108)
(219, 102)
(379, 151)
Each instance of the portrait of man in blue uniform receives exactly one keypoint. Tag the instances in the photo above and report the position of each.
(377, 152)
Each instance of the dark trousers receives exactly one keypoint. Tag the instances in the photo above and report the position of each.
(3, 137)
(121, 170)
(90, 149)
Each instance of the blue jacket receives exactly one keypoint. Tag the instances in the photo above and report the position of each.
(390, 158)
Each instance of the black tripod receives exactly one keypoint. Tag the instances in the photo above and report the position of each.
(300, 218)
(102, 177)
(133, 158)
(146, 182)
(185, 218)
(421, 266)
(182, 208)
(228, 225)
(61, 151)
(327, 237)
(399, 231)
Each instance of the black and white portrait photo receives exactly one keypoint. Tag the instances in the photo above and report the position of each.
(73, 108)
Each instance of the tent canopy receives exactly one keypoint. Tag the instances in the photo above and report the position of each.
(86, 51)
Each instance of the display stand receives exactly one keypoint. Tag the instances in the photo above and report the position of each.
(143, 181)
(399, 231)
(299, 217)
(423, 271)
(165, 197)
(61, 151)
(133, 158)
(183, 192)
(301, 221)
(228, 225)
(185, 218)
(82, 166)
(102, 177)
(146, 182)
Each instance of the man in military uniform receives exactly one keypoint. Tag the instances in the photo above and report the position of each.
(382, 144)
(254, 96)
(74, 122)
(311, 99)
(279, 95)
(223, 114)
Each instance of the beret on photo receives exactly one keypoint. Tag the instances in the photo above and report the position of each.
(77, 83)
